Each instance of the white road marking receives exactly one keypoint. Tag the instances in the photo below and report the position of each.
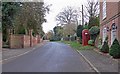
(1, 61)
(95, 69)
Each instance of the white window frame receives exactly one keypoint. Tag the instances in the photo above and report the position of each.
(113, 33)
(104, 34)
(104, 9)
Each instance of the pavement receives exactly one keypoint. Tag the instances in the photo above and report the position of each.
(51, 57)
(103, 63)
(13, 53)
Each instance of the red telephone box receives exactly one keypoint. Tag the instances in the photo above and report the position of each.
(85, 37)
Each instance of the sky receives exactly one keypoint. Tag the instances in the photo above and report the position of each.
(57, 6)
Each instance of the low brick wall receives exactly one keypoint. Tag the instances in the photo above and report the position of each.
(97, 41)
(23, 41)
(0, 41)
(16, 41)
(34, 41)
(38, 39)
(26, 41)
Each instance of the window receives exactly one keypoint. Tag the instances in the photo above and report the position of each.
(113, 32)
(104, 34)
(104, 9)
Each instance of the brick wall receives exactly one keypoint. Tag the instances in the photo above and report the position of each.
(34, 41)
(0, 41)
(97, 41)
(16, 41)
(119, 24)
(38, 38)
(119, 7)
(113, 8)
(23, 41)
(26, 41)
(119, 29)
(19, 41)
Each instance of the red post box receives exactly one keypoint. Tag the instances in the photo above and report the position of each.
(85, 37)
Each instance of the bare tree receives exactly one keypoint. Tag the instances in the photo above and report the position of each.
(67, 16)
(69, 29)
(92, 13)
(92, 9)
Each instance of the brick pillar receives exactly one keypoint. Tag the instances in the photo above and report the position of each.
(39, 37)
(10, 41)
(31, 39)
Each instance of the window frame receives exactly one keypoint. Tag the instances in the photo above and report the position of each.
(104, 9)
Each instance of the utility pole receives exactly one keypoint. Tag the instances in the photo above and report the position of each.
(82, 16)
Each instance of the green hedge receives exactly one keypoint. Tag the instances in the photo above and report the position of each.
(94, 31)
(91, 42)
(115, 49)
(105, 47)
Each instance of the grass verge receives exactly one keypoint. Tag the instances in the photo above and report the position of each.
(78, 46)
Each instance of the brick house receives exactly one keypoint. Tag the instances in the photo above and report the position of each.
(110, 20)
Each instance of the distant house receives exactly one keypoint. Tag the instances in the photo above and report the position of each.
(110, 20)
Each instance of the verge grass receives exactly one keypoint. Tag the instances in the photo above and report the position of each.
(78, 46)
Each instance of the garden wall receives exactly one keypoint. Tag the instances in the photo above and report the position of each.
(16, 41)
(23, 41)
(97, 41)
(26, 41)
(34, 41)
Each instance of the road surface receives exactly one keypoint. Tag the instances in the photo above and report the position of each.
(52, 57)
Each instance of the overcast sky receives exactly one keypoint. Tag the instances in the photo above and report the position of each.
(57, 6)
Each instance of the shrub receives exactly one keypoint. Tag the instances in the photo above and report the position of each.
(100, 41)
(99, 46)
(91, 42)
(94, 31)
(105, 47)
(55, 38)
(115, 49)
(79, 31)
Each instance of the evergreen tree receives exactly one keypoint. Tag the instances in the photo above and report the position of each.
(115, 49)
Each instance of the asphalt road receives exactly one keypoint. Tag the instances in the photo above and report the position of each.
(52, 57)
